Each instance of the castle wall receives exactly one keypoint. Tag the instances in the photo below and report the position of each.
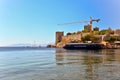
(74, 36)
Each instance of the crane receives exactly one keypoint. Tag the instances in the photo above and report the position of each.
(90, 22)
(93, 20)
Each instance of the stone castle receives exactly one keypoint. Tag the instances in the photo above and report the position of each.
(62, 39)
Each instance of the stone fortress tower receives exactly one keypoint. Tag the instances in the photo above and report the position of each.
(88, 27)
(59, 36)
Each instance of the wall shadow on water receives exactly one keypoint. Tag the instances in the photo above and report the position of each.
(89, 64)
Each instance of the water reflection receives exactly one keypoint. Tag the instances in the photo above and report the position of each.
(90, 65)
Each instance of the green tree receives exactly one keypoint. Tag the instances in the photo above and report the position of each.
(102, 32)
(69, 33)
(96, 32)
(79, 32)
(74, 33)
(86, 38)
(118, 39)
(89, 38)
(112, 39)
(85, 31)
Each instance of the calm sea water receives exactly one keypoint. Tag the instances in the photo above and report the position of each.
(59, 64)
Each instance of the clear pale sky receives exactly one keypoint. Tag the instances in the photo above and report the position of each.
(26, 21)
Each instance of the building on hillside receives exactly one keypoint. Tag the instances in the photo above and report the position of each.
(106, 37)
(117, 32)
(59, 36)
(96, 29)
(88, 27)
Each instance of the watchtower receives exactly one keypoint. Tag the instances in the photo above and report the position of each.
(59, 37)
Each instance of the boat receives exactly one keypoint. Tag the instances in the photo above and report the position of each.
(87, 46)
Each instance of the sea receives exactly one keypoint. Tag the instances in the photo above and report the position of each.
(22, 63)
